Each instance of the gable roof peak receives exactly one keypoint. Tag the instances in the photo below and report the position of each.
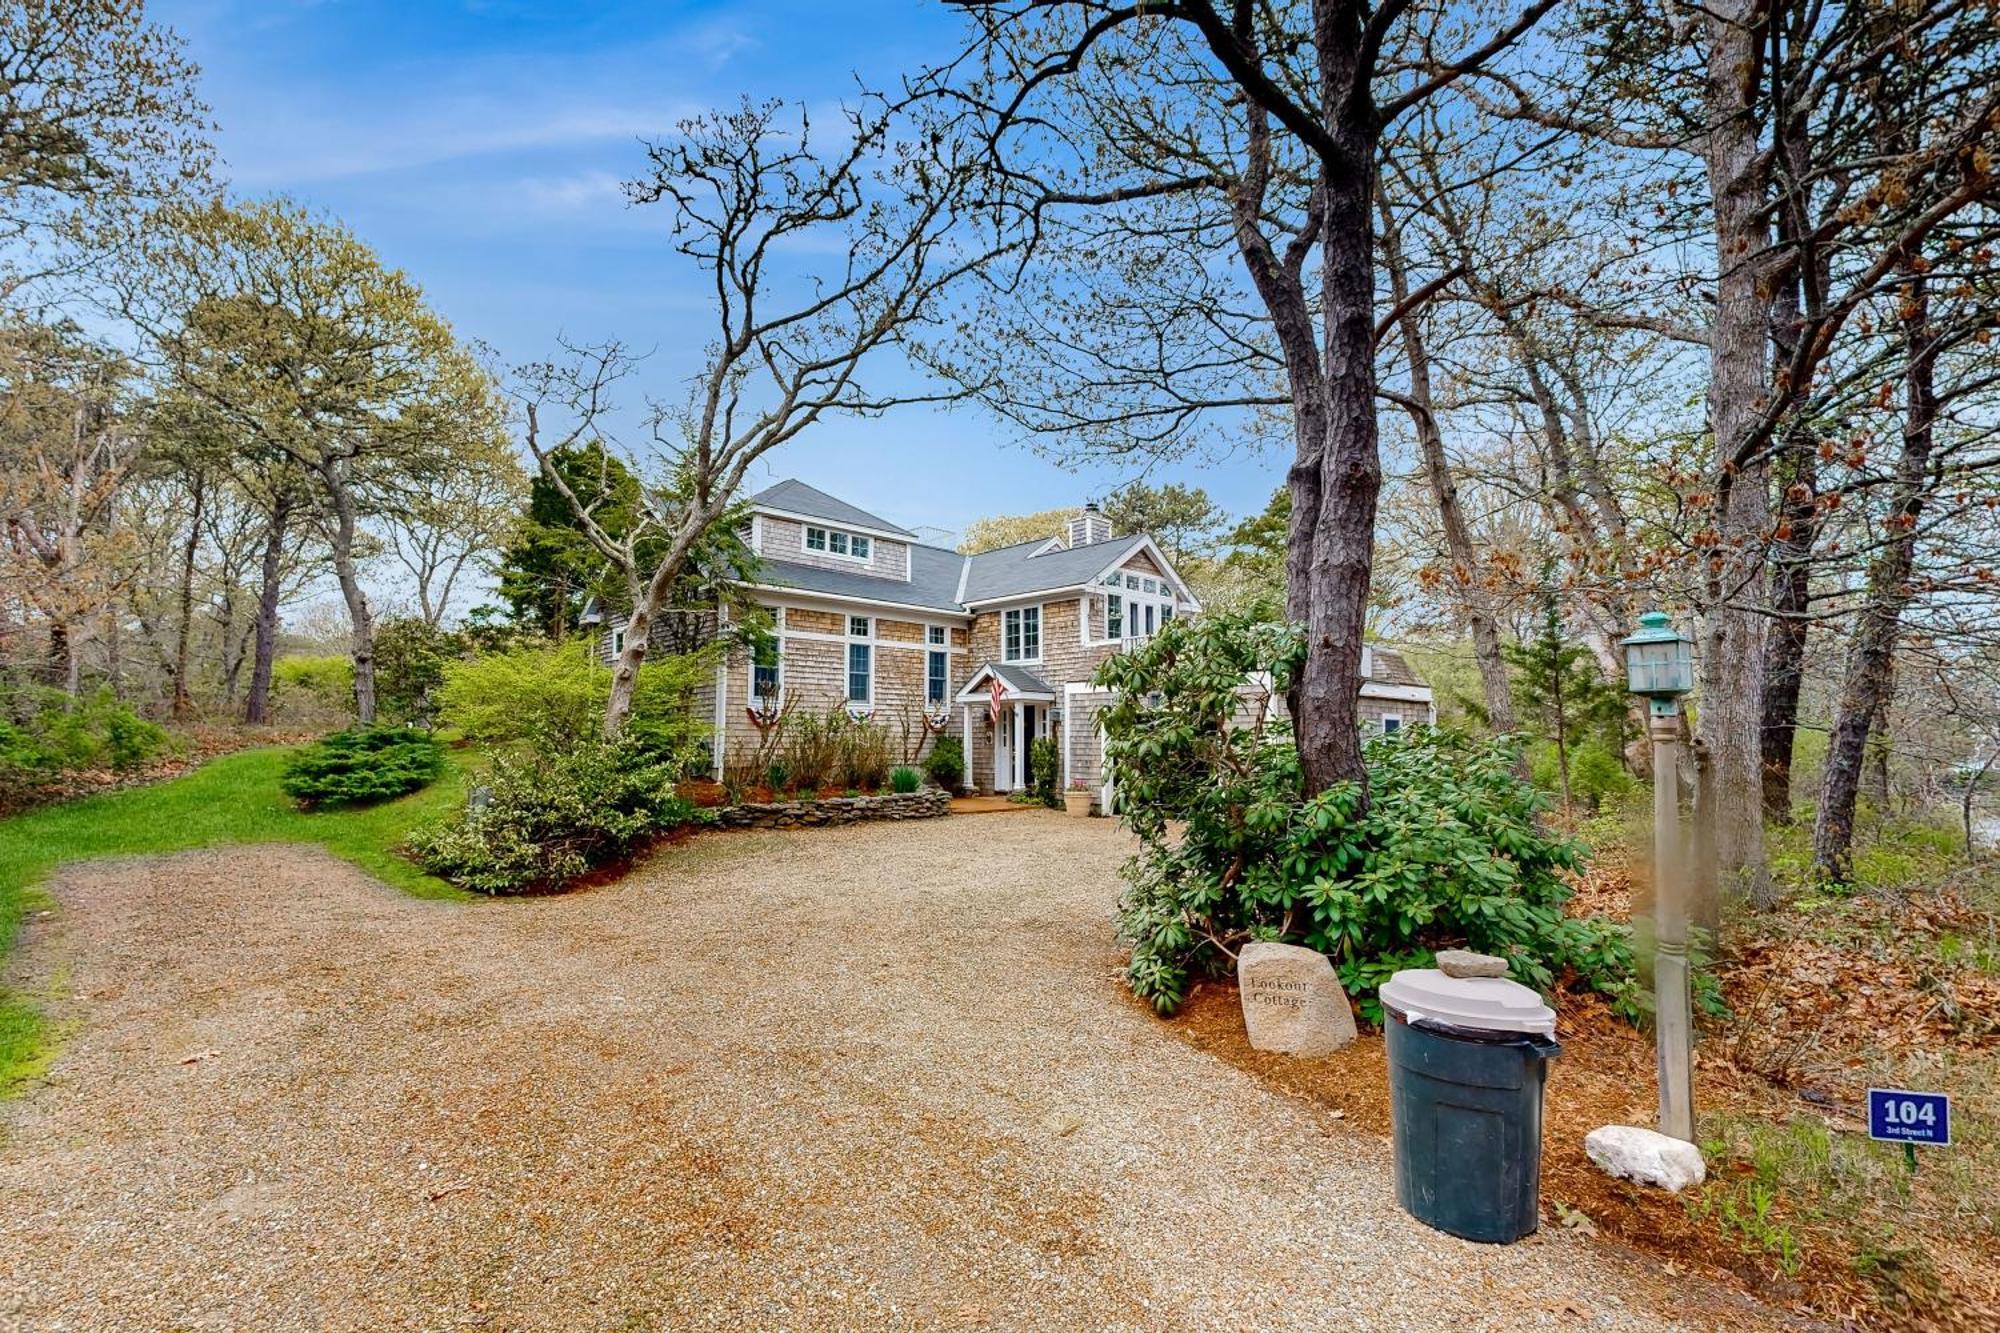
(792, 496)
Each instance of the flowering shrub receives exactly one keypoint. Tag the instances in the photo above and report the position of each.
(1444, 853)
(551, 812)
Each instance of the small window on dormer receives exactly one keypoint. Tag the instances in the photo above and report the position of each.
(815, 539)
(858, 547)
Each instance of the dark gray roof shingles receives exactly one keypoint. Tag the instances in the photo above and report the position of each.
(795, 497)
(1017, 569)
(933, 581)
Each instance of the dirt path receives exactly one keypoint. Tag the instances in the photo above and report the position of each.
(869, 1077)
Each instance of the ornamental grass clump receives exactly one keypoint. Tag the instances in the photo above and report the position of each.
(362, 765)
(1445, 852)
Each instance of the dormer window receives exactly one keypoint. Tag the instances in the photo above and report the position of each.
(832, 541)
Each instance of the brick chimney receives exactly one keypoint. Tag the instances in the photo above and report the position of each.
(1089, 527)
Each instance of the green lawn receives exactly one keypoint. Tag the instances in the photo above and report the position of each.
(232, 800)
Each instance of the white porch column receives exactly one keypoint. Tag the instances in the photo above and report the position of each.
(1020, 755)
(971, 778)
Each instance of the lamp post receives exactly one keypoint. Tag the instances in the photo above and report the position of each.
(1659, 663)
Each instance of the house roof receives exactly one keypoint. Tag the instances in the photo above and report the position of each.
(1027, 567)
(939, 579)
(1387, 667)
(795, 497)
(933, 582)
(1018, 681)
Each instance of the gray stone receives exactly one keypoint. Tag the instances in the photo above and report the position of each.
(1292, 1001)
(1647, 1156)
(1465, 963)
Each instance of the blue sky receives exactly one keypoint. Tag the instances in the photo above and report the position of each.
(480, 146)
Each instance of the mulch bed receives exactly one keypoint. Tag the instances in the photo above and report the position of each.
(1813, 1017)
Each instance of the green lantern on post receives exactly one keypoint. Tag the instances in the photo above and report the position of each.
(1659, 663)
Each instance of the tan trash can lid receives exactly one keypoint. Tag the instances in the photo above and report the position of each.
(1491, 1004)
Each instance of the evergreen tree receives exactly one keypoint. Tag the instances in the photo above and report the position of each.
(550, 570)
(1557, 685)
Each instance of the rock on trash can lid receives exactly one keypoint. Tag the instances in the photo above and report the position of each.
(1492, 1004)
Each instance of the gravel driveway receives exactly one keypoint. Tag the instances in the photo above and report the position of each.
(880, 1076)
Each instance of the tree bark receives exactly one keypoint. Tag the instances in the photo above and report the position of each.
(256, 706)
(361, 621)
(1871, 653)
(184, 633)
(1343, 539)
(1466, 565)
(1732, 661)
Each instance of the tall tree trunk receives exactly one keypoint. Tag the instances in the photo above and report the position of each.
(184, 634)
(257, 704)
(361, 621)
(1731, 701)
(1343, 540)
(1796, 468)
(1871, 652)
(1466, 565)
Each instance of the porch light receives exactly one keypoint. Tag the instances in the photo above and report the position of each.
(1659, 662)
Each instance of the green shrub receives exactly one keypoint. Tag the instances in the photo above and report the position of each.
(1044, 767)
(313, 686)
(410, 658)
(905, 780)
(946, 762)
(552, 812)
(561, 690)
(362, 764)
(1446, 852)
(54, 734)
(1597, 775)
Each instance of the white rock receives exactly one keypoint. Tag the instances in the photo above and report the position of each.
(1645, 1155)
(1292, 1001)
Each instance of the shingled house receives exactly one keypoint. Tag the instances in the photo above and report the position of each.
(996, 648)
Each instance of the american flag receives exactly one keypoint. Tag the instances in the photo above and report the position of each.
(998, 691)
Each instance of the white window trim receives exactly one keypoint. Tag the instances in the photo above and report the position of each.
(750, 680)
(827, 534)
(1022, 612)
(1382, 723)
(617, 642)
(847, 677)
(943, 699)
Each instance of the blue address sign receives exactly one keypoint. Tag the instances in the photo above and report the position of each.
(1900, 1116)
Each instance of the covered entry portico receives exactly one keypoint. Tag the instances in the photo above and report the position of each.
(1012, 704)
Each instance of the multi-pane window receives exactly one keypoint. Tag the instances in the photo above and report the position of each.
(1391, 724)
(937, 677)
(764, 668)
(1114, 617)
(934, 635)
(835, 542)
(1021, 634)
(860, 668)
(860, 660)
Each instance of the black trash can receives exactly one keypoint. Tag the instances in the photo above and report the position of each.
(1468, 1057)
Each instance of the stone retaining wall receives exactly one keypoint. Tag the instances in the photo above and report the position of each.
(928, 803)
